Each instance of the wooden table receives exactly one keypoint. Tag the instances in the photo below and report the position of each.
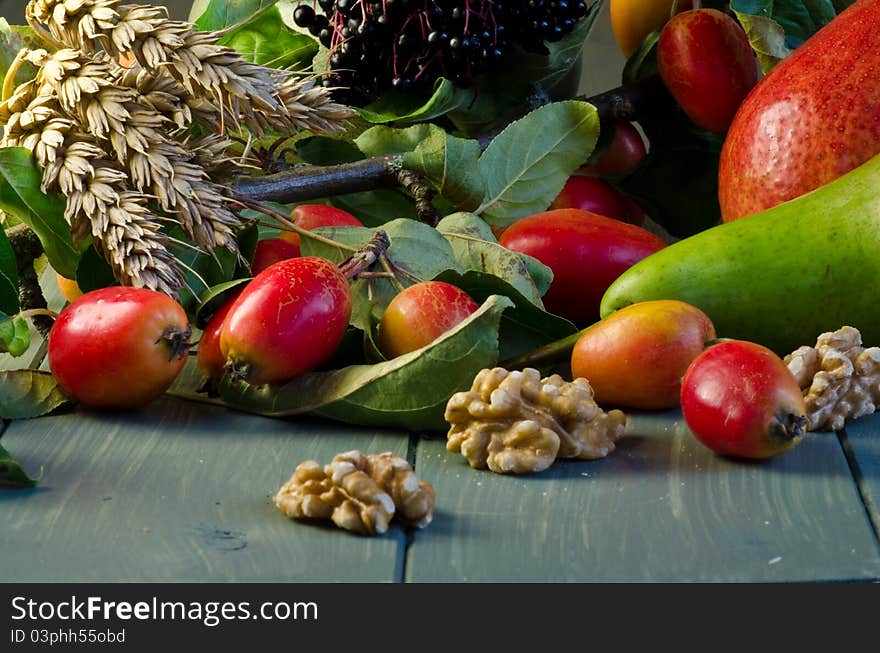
(181, 491)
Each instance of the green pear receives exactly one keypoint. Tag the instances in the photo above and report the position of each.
(780, 277)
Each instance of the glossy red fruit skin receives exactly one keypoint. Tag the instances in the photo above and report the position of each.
(312, 216)
(272, 250)
(420, 314)
(706, 62)
(586, 252)
(590, 194)
(813, 118)
(119, 347)
(210, 358)
(739, 399)
(626, 150)
(287, 320)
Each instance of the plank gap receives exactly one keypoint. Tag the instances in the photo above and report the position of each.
(859, 479)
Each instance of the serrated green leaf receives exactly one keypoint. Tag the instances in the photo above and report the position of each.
(229, 14)
(410, 391)
(404, 108)
(476, 253)
(765, 21)
(447, 162)
(767, 39)
(12, 474)
(25, 394)
(474, 226)
(528, 163)
(266, 40)
(525, 326)
(20, 195)
(8, 276)
(417, 251)
(12, 39)
(15, 335)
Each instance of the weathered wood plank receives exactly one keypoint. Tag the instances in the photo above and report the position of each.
(862, 439)
(661, 508)
(179, 491)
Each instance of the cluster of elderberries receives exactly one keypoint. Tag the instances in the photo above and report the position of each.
(377, 45)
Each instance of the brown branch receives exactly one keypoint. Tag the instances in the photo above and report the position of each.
(631, 101)
(310, 182)
(28, 248)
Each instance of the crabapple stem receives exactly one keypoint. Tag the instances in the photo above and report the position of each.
(365, 256)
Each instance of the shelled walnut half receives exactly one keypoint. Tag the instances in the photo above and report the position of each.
(359, 493)
(517, 422)
(839, 377)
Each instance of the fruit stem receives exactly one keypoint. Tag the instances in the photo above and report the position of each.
(788, 426)
(544, 356)
(365, 256)
(177, 341)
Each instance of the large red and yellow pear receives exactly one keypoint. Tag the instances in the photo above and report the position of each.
(814, 117)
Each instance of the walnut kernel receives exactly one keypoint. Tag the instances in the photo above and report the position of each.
(358, 493)
(517, 422)
(839, 377)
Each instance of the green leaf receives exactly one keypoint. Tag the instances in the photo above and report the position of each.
(643, 62)
(268, 41)
(8, 276)
(525, 326)
(417, 250)
(201, 271)
(404, 108)
(767, 39)
(12, 474)
(15, 335)
(223, 14)
(483, 255)
(410, 391)
(657, 181)
(324, 150)
(94, 271)
(12, 39)
(528, 163)
(30, 393)
(214, 297)
(447, 162)
(376, 207)
(20, 195)
(776, 27)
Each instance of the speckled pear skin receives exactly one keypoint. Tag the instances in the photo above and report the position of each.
(813, 118)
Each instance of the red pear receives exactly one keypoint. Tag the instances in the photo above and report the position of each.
(814, 117)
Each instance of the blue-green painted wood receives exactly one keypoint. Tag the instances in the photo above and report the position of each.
(660, 508)
(179, 491)
(862, 439)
